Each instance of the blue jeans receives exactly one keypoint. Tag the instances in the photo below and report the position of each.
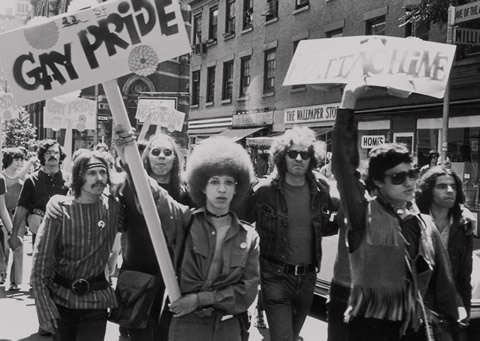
(81, 324)
(192, 327)
(287, 300)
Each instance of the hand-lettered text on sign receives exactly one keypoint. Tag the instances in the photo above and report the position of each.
(408, 64)
(80, 49)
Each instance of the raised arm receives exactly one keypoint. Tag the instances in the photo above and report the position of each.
(345, 161)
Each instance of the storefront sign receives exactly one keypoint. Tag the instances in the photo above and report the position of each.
(370, 141)
(252, 119)
(80, 49)
(161, 112)
(466, 36)
(466, 12)
(406, 64)
(315, 113)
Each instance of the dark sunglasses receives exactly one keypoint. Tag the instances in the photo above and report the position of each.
(401, 177)
(157, 152)
(292, 154)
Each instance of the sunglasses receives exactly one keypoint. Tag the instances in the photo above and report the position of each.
(157, 152)
(292, 154)
(400, 177)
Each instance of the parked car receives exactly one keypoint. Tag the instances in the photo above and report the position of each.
(322, 287)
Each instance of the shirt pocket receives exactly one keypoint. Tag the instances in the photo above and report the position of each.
(238, 258)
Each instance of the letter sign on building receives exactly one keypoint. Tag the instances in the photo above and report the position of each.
(370, 141)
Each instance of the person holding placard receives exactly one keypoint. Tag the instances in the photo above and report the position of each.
(399, 265)
(215, 254)
(72, 293)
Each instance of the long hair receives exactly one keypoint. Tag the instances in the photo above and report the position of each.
(80, 162)
(176, 179)
(384, 157)
(424, 192)
(43, 147)
(9, 154)
(218, 156)
(297, 135)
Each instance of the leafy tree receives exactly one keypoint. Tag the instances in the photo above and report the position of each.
(19, 132)
(431, 11)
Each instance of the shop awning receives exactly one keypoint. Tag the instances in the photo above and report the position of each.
(238, 134)
(260, 142)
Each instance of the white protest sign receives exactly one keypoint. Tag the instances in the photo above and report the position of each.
(161, 112)
(407, 64)
(80, 49)
(80, 112)
(370, 141)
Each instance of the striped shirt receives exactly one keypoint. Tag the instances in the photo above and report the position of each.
(74, 246)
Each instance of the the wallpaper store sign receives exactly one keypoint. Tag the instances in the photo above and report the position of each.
(311, 114)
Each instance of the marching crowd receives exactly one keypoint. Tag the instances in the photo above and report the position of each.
(403, 265)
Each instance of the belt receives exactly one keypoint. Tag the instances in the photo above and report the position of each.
(299, 270)
(82, 286)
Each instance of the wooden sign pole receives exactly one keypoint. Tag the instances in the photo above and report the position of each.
(139, 176)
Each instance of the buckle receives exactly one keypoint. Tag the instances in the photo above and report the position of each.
(80, 286)
(300, 270)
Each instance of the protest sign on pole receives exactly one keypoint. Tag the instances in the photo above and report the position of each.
(160, 112)
(405, 64)
(97, 45)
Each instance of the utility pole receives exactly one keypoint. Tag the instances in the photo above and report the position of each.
(446, 97)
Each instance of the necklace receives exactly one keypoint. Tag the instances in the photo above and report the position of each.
(216, 215)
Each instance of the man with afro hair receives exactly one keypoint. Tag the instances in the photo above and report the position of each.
(215, 254)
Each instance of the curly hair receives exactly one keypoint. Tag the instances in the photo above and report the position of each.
(44, 145)
(80, 162)
(384, 157)
(426, 184)
(297, 135)
(218, 156)
(176, 179)
(9, 154)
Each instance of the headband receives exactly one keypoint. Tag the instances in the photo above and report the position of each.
(96, 164)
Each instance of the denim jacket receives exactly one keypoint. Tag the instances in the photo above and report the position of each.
(268, 208)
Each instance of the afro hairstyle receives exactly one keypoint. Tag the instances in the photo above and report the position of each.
(218, 156)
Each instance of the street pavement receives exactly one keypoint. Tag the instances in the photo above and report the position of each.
(18, 319)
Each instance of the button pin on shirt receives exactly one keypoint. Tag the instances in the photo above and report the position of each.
(243, 245)
(101, 224)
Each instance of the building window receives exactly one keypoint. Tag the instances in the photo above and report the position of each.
(335, 33)
(419, 29)
(295, 45)
(195, 88)
(269, 71)
(227, 83)
(244, 75)
(376, 26)
(301, 3)
(210, 84)
(247, 14)
(197, 29)
(230, 17)
(213, 24)
(271, 10)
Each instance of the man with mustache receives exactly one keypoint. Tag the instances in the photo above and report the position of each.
(68, 276)
(37, 189)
